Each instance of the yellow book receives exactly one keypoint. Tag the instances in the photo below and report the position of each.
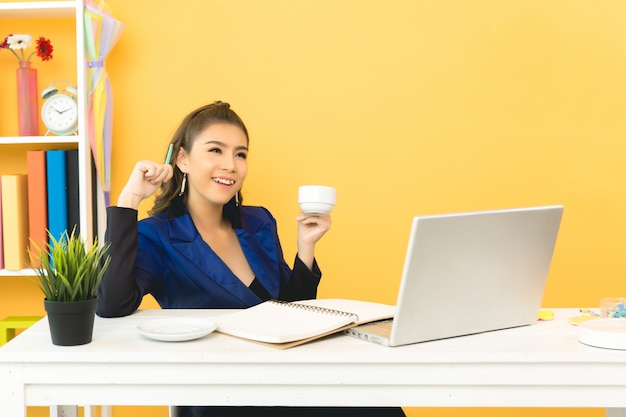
(15, 221)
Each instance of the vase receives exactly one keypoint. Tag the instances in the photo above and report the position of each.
(71, 323)
(27, 100)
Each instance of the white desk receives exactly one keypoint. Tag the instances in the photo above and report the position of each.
(542, 365)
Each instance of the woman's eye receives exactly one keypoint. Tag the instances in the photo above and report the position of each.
(242, 155)
(216, 150)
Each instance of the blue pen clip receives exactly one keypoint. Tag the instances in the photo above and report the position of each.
(169, 153)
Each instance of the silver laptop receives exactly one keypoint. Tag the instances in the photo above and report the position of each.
(468, 273)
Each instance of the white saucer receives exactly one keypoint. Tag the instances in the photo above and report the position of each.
(176, 329)
(604, 333)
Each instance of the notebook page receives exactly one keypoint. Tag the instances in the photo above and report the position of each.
(280, 322)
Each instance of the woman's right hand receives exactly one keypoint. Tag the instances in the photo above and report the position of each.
(145, 180)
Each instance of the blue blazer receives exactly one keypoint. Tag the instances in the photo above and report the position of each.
(165, 256)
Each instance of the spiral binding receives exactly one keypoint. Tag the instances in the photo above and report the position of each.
(315, 309)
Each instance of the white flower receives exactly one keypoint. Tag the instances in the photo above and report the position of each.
(19, 41)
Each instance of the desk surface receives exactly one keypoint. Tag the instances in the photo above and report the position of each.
(542, 365)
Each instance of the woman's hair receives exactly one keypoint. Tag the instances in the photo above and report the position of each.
(192, 125)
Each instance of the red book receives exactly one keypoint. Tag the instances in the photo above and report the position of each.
(37, 200)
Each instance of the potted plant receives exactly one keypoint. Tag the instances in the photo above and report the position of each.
(69, 273)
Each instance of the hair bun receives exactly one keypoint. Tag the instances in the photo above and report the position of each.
(219, 103)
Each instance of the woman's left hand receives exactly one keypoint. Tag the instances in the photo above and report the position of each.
(310, 230)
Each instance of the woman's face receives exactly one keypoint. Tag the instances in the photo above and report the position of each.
(216, 165)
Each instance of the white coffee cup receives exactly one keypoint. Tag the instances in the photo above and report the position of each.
(316, 199)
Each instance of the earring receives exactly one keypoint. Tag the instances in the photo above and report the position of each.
(237, 199)
(183, 184)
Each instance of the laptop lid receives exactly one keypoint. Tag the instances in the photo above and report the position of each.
(468, 273)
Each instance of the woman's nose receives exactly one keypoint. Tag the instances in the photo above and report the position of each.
(228, 163)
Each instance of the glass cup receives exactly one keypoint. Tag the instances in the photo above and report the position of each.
(613, 307)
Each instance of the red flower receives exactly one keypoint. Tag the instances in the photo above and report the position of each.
(5, 43)
(44, 49)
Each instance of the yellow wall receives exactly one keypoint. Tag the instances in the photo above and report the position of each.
(407, 107)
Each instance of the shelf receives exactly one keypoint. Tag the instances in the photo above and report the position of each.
(37, 140)
(13, 148)
(37, 10)
(18, 273)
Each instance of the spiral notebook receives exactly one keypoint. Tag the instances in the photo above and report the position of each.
(285, 324)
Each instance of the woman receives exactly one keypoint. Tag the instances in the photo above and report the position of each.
(201, 248)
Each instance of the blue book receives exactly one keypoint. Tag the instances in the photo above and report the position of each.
(56, 177)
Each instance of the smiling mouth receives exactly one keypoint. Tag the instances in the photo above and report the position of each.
(223, 181)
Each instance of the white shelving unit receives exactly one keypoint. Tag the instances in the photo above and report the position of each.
(33, 10)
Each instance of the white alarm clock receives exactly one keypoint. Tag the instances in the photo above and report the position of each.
(60, 110)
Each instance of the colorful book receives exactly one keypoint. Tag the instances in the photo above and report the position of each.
(37, 200)
(73, 205)
(15, 221)
(1, 238)
(56, 174)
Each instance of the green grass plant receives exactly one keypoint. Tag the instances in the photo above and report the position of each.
(67, 270)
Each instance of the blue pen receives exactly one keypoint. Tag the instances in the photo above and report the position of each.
(169, 153)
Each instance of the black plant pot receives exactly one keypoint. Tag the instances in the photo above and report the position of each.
(71, 323)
